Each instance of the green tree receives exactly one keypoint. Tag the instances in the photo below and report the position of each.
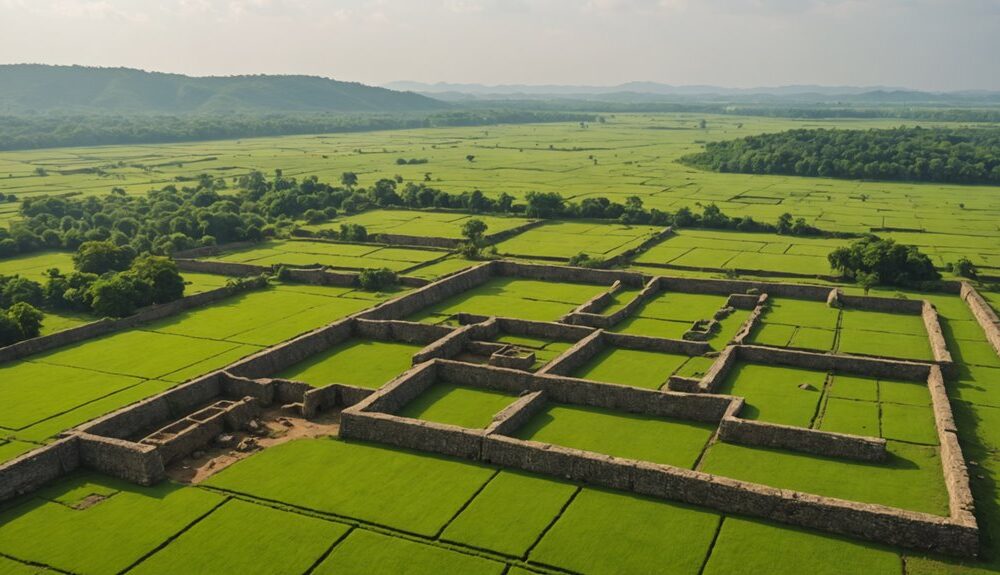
(100, 257)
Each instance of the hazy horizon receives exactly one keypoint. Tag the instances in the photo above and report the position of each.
(933, 45)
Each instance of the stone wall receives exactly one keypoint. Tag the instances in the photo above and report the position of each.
(932, 325)
(884, 304)
(398, 330)
(697, 407)
(825, 443)
(448, 346)
(206, 251)
(751, 323)
(278, 358)
(221, 268)
(418, 241)
(566, 274)
(432, 293)
(412, 433)
(514, 416)
(859, 365)
(983, 313)
(576, 356)
(866, 521)
(658, 344)
(30, 471)
(626, 256)
(126, 460)
(728, 287)
(391, 397)
(715, 375)
(956, 474)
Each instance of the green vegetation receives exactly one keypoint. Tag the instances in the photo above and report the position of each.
(364, 553)
(872, 261)
(514, 297)
(658, 439)
(968, 156)
(910, 478)
(510, 513)
(455, 405)
(417, 493)
(240, 537)
(632, 539)
(776, 394)
(359, 362)
(334, 255)
(631, 367)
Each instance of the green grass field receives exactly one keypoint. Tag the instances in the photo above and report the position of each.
(456, 405)
(329, 506)
(631, 367)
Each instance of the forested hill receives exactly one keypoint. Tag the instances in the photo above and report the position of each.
(960, 155)
(40, 88)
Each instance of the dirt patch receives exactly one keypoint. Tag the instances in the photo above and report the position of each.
(274, 427)
(89, 501)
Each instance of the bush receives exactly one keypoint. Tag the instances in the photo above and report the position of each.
(377, 279)
(583, 260)
(878, 261)
(100, 257)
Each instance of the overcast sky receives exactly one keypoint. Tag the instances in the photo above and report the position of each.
(925, 44)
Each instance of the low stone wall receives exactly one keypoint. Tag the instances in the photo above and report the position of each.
(221, 268)
(752, 321)
(859, 365)
(956, 474)
(825, 443)
(743, 301)
(728, 287)
(322, 277)
(576, 356)
(448, 346)
(718, 372)
(391, 397)
(206, 251)
(398, 330)
(30, 471)
(104, 326)
(693, 406)
(649, 242)
(276, 359)
(983, 313)
(419, 241)
(600, 301)
(514, 416)
(647, 343)
(506, 234)
(649, 291)
(133, 462)
(932, 325)
(565, 273)
(866, 521)
(542, 329)
(432, 293)
(412, 433)
(883, 304)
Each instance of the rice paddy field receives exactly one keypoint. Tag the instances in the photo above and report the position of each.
(331, 506)
(334, 255)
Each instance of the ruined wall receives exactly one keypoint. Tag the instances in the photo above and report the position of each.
(932, 325)
(397, 330)
(576, 356)
(983, 313)
(825, 443)
(752, 321)
(875, 367)
(431, 294)
(412, 433)
(419, 241)
(390, 398)
(278, 358)
(647, 343)
(32, 470)
(221, 268)
(566, 274)
(126, 460)
(627, 255)
(728, 287)
(715, 375)
(206, 251)
(884, 304)
(515, 415)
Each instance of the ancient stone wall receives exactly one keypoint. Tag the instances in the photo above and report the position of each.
(206, 251)
(431, 294)
(448, 346)
(411, 433)
(221, 268)
(715, 375)
(418, 241)
(276, 359)
(859, 365)
(647, 343)
(397, 330)
(752, 321)
(825, 443)
(627, 255)
(30, 471)
(932, 325)
(983, 313)
(728, 287)
(515, 415)
(566, 274)
(391, 397)
(884, 304)
(576, 356)
(126, 460)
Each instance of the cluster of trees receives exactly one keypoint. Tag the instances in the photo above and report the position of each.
(19, 132)
(872, 261)
(20, 318)
(381, 279)
(955, 155)
(411, 161)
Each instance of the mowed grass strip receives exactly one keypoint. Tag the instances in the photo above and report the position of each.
(515, 297)
(457, 405)
(366, 553)
(359, 362)
(660, 440)
(409, 491)
(911, 478)
(885, 344)
(241, 537)
(632, 367)
(510, 513)
(749, 546)
(102, 539)
(604, 532)
(850, 416)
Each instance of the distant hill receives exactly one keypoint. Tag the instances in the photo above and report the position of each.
(41, 88)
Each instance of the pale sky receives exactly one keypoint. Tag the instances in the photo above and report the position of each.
(922, 44)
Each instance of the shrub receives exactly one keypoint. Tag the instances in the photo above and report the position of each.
(377, 279)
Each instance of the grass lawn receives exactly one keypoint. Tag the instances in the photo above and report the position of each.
(241, 537)
(910, 479)
(885, 344)
(802, 313)
(9, 449)
(913, 423)
(510, 513)
(772, 393)
(603, 532)
(660, 440)
(749, 546)
(653, 327)
(854, 387)
(850, 416)
(514, 297)
(680, 306)
(45, 528)
(405, 490)
(359, 362)
(366, 553)
(632, 367)
(902, 323)
(455, 405)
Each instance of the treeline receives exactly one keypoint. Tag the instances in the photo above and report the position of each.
(57, 130)
(954, 155)
(874, 261)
